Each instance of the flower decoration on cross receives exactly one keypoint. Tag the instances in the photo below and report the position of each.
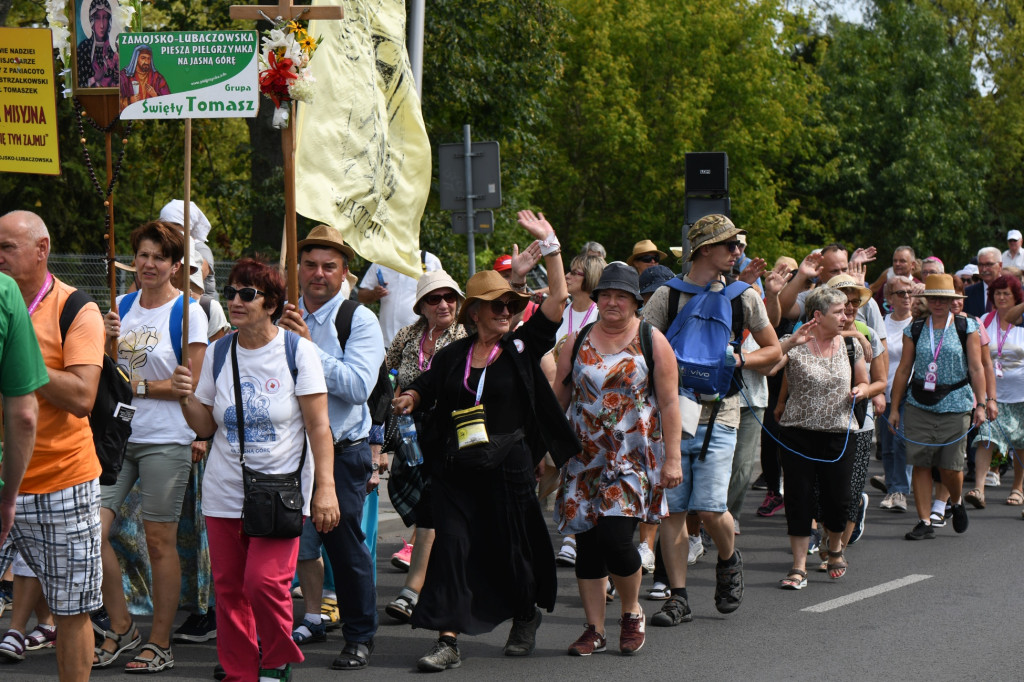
(284, 63)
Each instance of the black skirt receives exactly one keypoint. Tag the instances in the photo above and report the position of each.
(492, 557)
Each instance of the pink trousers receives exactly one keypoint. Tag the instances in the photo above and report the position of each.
(251, 578)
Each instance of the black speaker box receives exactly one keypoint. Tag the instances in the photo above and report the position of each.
(698, 207)
(707, 173)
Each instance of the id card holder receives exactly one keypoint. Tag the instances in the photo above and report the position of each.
(930, 380)
(470, 426)
(999, 369)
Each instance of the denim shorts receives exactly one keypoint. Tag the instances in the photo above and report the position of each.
(705, 485)
(309, 542)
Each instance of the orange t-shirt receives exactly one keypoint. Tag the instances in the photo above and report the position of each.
(64, 454)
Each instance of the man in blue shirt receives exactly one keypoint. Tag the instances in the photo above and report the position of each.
(351, 374)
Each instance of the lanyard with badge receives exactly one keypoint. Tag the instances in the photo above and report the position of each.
(470, 423)
(932, 375)
(41, 294)
(1001, 339)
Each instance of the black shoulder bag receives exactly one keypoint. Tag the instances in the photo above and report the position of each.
(272, 503)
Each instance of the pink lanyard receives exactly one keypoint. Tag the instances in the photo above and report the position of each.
(585, 318)
(931, 336)
(425, 367)
(480, 384)
(1001, 339)
(41, 294)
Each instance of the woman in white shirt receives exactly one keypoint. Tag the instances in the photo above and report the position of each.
(899, 292)
(284, 400)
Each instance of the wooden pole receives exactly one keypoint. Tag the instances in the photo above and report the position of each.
(111, 246)
(291, 258)
(188, 240)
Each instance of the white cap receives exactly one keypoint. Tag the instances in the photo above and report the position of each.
(969, 269)
(1013, 235)
(174, 212)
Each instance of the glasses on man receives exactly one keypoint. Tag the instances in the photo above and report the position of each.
(903, 293)
(647, 258)
(735, 245)
(248, 294)
(983, 266)
(435, 299)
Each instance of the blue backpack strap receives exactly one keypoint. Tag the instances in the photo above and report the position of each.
(291, 342)
(734, 289)
(177, 312)
(220, 352)
(126, 303)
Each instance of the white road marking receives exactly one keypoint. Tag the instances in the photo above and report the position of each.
(865, 594)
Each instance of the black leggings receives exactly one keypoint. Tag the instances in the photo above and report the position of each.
(832, 478)
(607, 548)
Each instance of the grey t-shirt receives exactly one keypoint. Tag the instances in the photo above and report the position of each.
(755, 318)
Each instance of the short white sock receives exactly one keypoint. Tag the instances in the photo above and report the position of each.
(313, 618)
(330, 594)
(939, 507)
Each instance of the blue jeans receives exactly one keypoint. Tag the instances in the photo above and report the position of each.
(894, 456)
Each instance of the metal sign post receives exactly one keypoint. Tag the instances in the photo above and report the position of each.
(470, 180)
(467, 151)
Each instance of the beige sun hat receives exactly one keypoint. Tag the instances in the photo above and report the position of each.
(642, 247)
(432, 281)
(939, 286)
(845, 281)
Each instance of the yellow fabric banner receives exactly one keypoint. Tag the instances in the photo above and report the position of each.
(363, 159)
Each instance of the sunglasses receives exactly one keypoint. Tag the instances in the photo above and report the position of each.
(649, 258)
(578, 273)
(248, 294)
(904, 293)
(501, 305)
(734, 245)
(435, 299)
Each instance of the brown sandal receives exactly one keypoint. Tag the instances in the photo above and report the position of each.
(1016, 498)
(976, 497)
(837, 569)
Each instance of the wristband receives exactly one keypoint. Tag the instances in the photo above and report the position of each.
(518, 286)
(550, 245)
(408, 393)
(991, 400)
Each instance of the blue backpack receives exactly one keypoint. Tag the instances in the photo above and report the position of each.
(128, 300)
(700, 336)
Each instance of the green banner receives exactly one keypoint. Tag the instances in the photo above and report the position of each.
(188, 74)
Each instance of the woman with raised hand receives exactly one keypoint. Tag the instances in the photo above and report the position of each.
(626, 413)
(494, 417)
(282, 396)
(814, 415)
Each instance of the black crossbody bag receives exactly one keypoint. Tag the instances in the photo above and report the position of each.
(272, 503)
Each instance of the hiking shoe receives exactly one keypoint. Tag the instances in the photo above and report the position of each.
(772, 503)
(959, 517)
(100, 623)
(696, 550)
(522, 638)
(567, 554)
(759, 483)
(862, 512)
(308, 632)
(590, 642)
(886, 502)
(938, 520)
(899, 502)
(631, 633)
(199, 627)
(441, 657)
(330, 615)
(646, 558)
(673, 612)
(658, 592)
(729, 585)
(401, 608)
(402, 557)
(815, 541)
(878, 482)
(922, 531)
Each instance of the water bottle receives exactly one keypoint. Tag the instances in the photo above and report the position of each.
(407, 431)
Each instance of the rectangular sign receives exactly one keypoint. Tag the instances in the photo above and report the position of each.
(28, 104)
(188, 74)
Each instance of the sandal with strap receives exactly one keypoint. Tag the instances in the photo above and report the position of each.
(12, 648)
(789, 583)
(104, 657)
(1015, 499)
(976, 497)
(162, 660)
(837, 569)
(42, 637)
(354, 656)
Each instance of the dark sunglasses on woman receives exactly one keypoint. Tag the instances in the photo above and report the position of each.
(434, 299)
(649, 258)
(248, 294)
(501, 305)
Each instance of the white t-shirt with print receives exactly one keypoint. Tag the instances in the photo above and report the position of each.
(145, 348)
(274, 429)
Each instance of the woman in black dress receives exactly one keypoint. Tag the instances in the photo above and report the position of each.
(492, 557)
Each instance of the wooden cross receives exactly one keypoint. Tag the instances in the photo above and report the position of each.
(285, 10)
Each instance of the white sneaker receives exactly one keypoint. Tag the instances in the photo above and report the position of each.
(567, 555)
(696, 550)
(646, 558)
(899, 502)
(886, 502)
(992, 479)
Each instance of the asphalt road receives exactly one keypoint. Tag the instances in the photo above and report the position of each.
(940, 609)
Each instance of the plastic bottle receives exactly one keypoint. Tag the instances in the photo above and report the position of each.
(407, 432)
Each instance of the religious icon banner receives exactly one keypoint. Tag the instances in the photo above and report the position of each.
(188, 74)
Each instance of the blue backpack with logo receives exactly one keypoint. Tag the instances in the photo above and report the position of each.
(700, 336)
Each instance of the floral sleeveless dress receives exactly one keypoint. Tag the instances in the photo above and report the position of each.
(616, 418)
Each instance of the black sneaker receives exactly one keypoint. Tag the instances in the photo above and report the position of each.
(673, 612)
(100, 624)
(199, 627)
(759, 483)
(729, 585)
(862, 512)
(922, 531)
(441, 657)
(959, 517)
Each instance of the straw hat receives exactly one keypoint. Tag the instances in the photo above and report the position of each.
(326, 236)
(432, 281)
(487, 285)
(642, 247)
(939, 286)
(711, 229)
(677, 251)
(845, 281)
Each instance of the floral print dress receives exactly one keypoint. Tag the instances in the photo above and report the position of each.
(618, 472)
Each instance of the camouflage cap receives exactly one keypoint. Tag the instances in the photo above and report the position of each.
(711, 229)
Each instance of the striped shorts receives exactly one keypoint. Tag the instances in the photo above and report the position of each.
(59, 536)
